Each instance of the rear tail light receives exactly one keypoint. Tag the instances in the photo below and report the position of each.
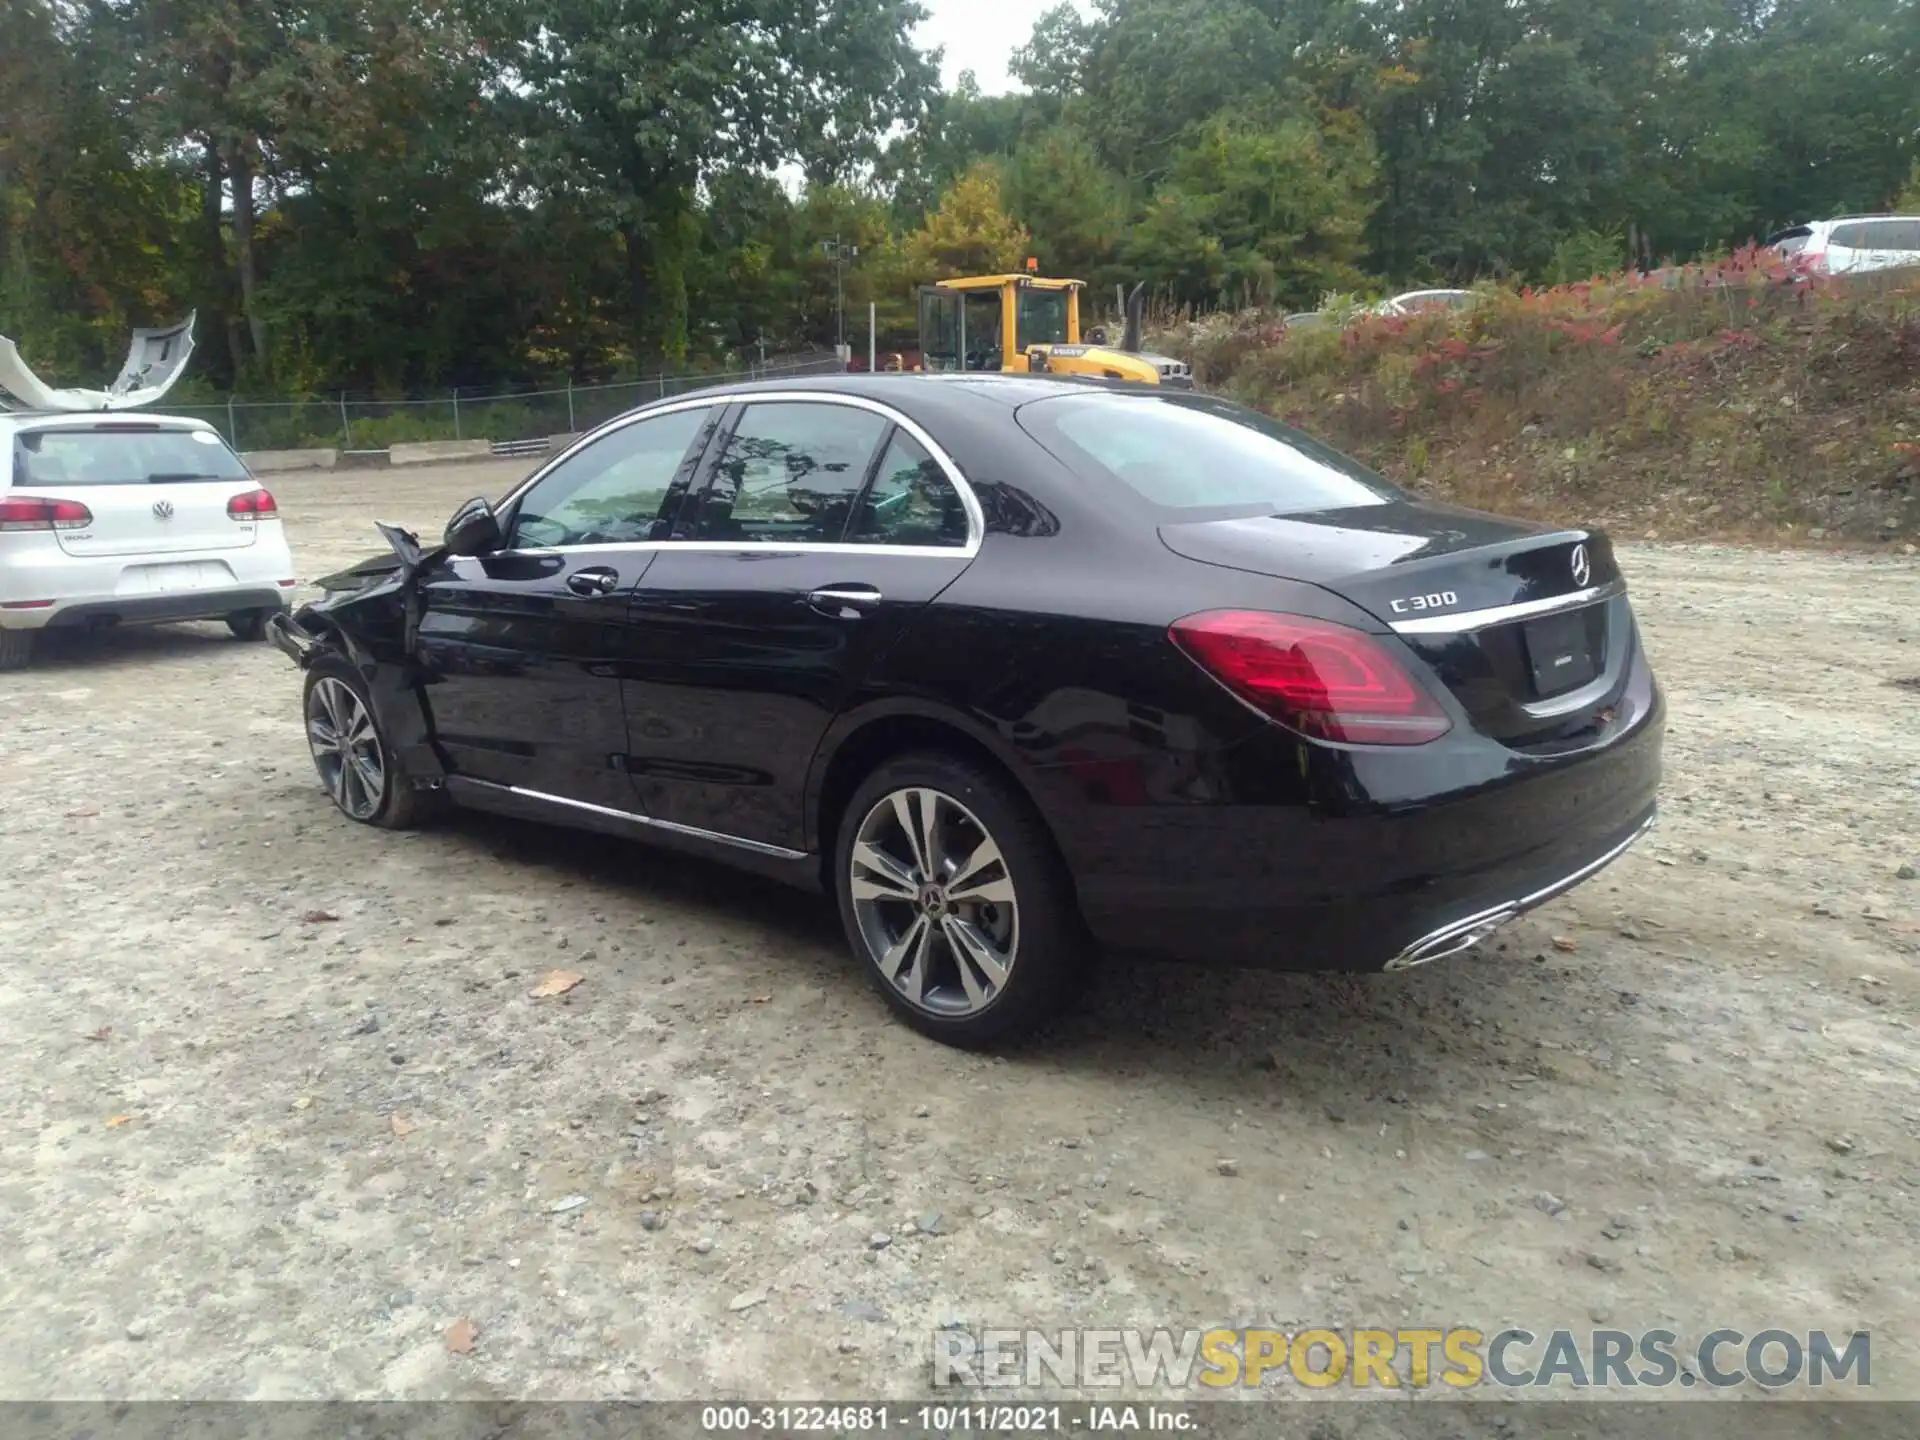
(30, 512)
(1324, 680)
(254, 505)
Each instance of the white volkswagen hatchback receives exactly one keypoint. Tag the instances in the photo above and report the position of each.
(115, 518)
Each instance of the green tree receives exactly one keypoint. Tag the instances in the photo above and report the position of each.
(1287, 202)
(266, 98)
(1052, 64)
(1056, 187)
(830, 213)
(631, 102)
(90, 237)
(961, 127)
(970, 233)
(1907, 202)
(1169, 248)
(1155, 72)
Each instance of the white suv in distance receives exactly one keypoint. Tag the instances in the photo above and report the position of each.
(110, 519)
(1851, 245)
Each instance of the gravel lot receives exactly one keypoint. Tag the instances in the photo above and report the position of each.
(282, 1109)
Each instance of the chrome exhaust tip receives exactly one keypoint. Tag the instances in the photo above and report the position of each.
(1452, 939)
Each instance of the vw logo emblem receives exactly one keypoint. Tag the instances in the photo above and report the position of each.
(163, 509)
(1582, 567)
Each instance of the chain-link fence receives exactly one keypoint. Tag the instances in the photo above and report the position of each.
(500, 416)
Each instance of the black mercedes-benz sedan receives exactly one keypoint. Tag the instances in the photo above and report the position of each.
(1019, 671)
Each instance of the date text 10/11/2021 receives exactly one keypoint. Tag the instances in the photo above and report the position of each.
(1109, 1419)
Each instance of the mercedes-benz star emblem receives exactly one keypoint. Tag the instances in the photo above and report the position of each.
(1582, 567)
(163, 509)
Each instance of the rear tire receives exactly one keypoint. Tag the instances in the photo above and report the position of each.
(358, 768)
(956, 901)
(16, 648)
(250, 624)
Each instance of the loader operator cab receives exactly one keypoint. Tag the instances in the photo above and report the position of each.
(1021, 324)
(984, 322)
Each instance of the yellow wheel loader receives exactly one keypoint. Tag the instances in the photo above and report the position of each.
(1023, 324)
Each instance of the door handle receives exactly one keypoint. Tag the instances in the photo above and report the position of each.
(597, 581)
(845, 602)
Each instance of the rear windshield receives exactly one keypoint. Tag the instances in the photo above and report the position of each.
(1191, 452)
(121, 455)
(1791, 242)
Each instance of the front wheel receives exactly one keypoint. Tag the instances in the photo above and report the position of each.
(955, 900)
(357, 767)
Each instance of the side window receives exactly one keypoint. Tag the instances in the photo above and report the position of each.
(1043, 317)
(1896, 235)
(981, 313)
(1850, 237)
(615, 491)
(939, 329)
(911, 502)
(789, 474)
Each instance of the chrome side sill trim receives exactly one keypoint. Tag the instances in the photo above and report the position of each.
(1469, 620)
(647, 821)
(1464, 934)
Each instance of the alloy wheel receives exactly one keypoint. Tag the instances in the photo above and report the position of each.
(935, 902)
(346, 748)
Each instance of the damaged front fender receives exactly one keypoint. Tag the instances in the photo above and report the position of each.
(368, 617)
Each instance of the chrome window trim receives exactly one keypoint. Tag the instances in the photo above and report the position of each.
(758, 847)
(1469, 620)
(767, 550)
(969, 501)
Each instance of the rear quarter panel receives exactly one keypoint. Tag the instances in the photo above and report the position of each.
(1055, 656)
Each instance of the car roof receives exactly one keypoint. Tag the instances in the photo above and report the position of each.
(927, 398)
(16, 422)
(1849, 219)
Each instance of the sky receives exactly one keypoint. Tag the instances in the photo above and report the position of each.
(980, 35)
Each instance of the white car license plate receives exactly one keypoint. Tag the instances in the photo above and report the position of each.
(166, 579)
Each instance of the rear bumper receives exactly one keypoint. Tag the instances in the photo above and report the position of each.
(146, 609)
(1470, 929)
(44, 587)
(1374, 888)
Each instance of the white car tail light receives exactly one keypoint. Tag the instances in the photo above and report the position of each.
(254, 505)
(30, 512)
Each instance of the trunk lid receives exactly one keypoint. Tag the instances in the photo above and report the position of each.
(153, 488)
(155, 519)
(1526, 626)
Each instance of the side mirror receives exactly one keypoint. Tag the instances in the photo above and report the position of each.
(473, 530)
